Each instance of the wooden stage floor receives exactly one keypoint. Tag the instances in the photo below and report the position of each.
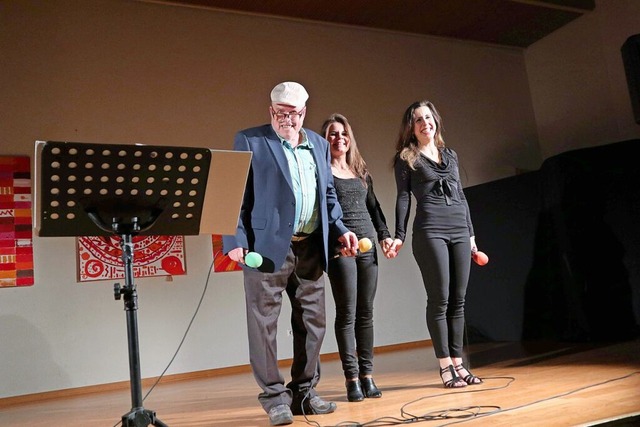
(535, 384)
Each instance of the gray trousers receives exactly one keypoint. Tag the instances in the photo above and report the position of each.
(302, 278)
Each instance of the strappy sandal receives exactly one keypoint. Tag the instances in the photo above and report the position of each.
(469, 379)
(455, 381)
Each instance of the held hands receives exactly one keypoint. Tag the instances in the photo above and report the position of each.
(385, 245)
(393, 248)
(389, 247)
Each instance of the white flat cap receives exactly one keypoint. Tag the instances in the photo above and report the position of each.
(289, 93)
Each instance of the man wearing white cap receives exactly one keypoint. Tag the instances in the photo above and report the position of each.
(289, 215)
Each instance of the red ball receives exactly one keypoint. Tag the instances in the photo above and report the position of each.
(480, 258)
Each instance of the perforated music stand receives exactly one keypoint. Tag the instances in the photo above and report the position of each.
(85, 189)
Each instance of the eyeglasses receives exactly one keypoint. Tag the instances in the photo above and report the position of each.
(290, 115)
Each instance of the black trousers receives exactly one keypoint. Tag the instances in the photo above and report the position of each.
(445, 263)
(354, 282)
(302, 278)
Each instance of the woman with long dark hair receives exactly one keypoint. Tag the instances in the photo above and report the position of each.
(354, 280)
(443, 237)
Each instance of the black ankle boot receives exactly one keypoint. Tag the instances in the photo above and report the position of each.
(354, 391)
(369, 388)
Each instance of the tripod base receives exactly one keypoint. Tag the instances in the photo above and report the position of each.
(140, 417)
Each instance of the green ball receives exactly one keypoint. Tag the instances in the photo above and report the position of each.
(253, 259)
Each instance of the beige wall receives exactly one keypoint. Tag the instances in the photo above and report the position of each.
(122, 71)
(578, 85)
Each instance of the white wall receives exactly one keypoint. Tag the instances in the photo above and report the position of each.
(122, 71)
(578, 84)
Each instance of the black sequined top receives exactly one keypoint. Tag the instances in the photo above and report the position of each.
(361, 211)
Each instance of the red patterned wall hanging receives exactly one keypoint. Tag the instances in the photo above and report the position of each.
(222, 262)
(100, 257)
(16, 235)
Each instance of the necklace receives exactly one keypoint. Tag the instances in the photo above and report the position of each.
(433, 154)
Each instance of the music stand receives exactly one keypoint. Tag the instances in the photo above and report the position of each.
(87, 189)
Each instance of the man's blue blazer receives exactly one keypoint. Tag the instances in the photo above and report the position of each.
(266, 222)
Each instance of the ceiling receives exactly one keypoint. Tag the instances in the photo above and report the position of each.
(515, 23)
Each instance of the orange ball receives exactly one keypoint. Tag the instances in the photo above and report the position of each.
(365, 244)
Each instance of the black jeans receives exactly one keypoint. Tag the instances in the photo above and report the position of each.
(445, 263)
(354, 281)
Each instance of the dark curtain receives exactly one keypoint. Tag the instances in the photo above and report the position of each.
(568, 269)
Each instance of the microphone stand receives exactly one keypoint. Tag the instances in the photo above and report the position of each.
(138, 416)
